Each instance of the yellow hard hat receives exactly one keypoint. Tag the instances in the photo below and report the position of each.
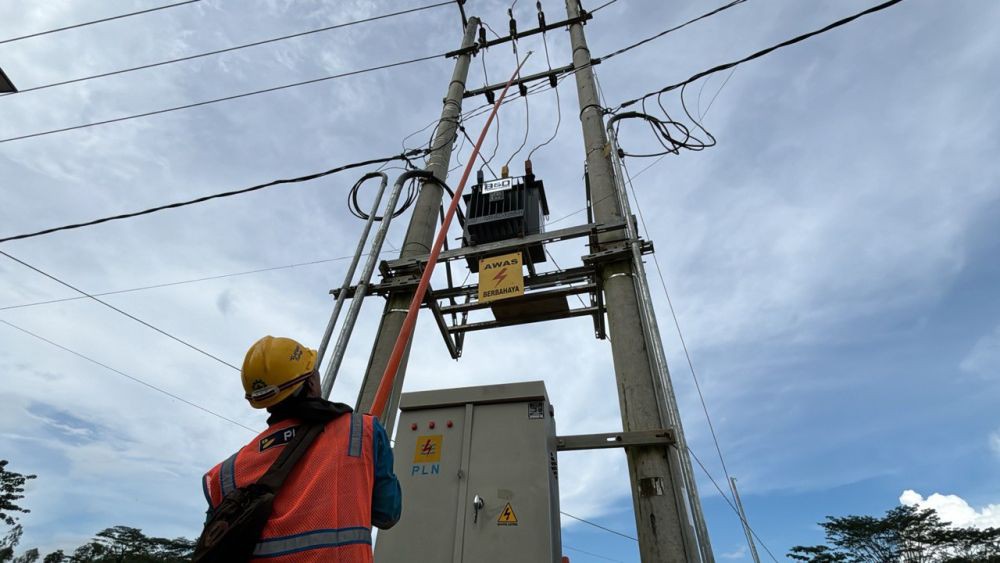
(275, 368)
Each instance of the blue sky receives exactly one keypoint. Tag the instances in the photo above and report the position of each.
(833, 261)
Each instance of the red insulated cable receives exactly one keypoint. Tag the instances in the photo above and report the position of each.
(389, 377)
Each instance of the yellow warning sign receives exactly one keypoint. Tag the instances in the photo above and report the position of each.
(507, 517)
(428, 449)
(500, 277)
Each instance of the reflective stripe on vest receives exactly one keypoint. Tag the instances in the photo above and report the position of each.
(357, 432)
(317, 539)
(227, 476)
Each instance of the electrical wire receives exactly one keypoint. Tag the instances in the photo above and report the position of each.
(672, 29)
(175, 283)
(185, 203)
(602, 6)
(102, 20)
(234, 48)
(223, 99)
(762, 52)
(496, 146)
(571, 548)
(690, 363)
(731, 505)
(548, 63)
(127, 376)
(121, 312)
(598, 526)
(527, 115)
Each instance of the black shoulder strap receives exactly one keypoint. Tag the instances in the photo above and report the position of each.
(290, 456)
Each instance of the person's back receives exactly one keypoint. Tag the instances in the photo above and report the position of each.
(342, 485)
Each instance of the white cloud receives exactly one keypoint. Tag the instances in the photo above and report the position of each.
(984, 358)
(995, 442)
(738, 553)
(954, 509)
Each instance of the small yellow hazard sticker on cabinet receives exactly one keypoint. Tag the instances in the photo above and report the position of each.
(507, 517)
(500, 277)
(428, 449)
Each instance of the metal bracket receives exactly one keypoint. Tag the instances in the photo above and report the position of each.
(620, 251)
(663, 437)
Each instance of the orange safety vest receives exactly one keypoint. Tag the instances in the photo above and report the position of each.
(323, 511)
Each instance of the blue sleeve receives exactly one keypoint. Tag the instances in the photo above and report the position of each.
(387, 497)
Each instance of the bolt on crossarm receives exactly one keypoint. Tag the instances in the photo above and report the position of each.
(666, 504)
(419, 236)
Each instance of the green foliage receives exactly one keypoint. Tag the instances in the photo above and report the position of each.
(905, 533)
(122, 543)
(11, 491)
(55, 557)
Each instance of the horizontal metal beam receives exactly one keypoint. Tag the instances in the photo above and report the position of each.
(486, 325)
(527, 33)
(518, 82)
(507, 245)
(615, 440)
(561, 292)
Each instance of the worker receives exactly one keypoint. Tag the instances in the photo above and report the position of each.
(343, 484)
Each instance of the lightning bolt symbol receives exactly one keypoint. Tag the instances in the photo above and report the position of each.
(500, 275)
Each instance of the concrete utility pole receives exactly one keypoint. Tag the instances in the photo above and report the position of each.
(743, 518)
(664, 507)
(419, 237)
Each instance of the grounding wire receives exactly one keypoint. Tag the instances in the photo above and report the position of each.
(117, 310)
(762, 52)
(223, 99)
(127, 376)
(234, 48)
(102, 20)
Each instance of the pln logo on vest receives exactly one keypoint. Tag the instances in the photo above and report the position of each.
(427, 456)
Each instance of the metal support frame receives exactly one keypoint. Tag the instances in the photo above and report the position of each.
(615, 440)
(403, 275)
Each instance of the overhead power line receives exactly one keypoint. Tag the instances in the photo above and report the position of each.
(761, 53)
(591, 554)
(598, 526)
(223, 99)
(731, 505)
(237, 47)
(175, 205)
(121, 312)
(102, 20)
(672, 29)
(127, 376)
(175, 283)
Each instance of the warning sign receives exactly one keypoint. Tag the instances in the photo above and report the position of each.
(507, 517)
(428, 449)
(500, 277)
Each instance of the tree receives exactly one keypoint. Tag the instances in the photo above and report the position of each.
(11, 491)
(56, 556)
(30, 556)
(905, 534)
